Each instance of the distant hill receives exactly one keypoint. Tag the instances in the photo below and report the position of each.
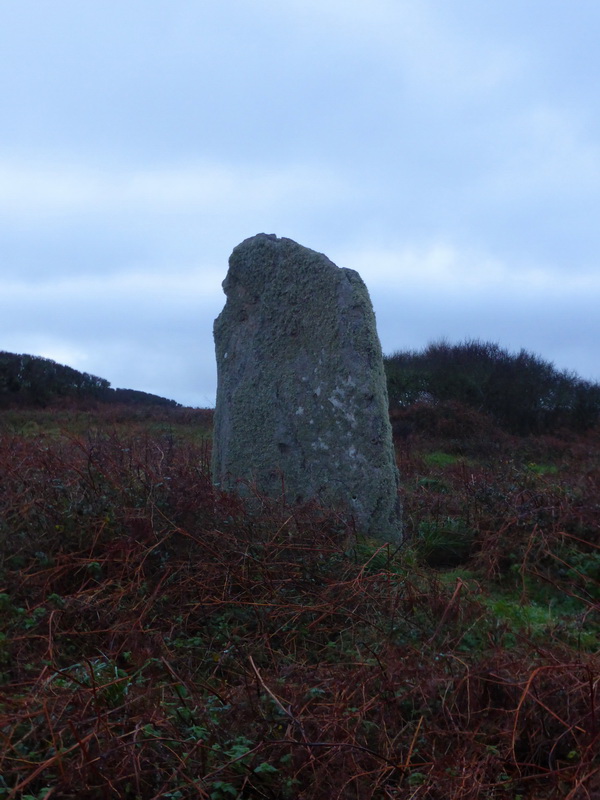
(27, 380)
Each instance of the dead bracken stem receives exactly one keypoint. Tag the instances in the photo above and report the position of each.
(159, 642)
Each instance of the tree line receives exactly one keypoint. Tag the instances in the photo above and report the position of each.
(27, 380)
(521, 391)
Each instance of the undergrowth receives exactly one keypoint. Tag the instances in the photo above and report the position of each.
(157, 640)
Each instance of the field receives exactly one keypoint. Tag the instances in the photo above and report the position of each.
(158, 640)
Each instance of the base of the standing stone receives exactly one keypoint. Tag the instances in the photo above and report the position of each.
(278, 509)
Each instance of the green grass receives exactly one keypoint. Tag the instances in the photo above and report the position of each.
(440, 459)
(542, 469)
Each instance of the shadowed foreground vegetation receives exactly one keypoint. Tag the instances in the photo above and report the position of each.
(157, 641)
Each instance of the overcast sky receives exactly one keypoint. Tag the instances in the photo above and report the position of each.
(449, 150)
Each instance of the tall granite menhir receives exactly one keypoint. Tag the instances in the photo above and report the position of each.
(302, 402)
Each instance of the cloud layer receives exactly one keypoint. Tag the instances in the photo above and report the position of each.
(450, 153)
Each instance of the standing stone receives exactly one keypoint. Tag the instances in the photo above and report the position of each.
(302, 405)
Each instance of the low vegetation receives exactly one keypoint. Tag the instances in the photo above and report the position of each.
(158, 640)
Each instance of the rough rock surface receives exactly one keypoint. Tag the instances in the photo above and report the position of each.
(302, 404)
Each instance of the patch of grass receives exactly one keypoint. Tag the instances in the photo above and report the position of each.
(542, 469)
(440, 459)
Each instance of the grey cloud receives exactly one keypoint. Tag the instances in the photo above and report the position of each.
(140, 142)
